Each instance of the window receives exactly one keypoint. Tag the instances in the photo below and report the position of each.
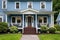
(17, 4)
(18, 19)
(42, 5)
(29, 5)
(45, 19)
(40, 20)
(13, 19)
(4, 4)
(1, 19)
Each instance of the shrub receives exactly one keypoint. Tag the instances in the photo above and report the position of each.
(52, 30)
(57, 27)
(13, 29)
(43, 29)
(3, 27)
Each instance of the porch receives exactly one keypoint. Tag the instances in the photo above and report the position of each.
(30, 18)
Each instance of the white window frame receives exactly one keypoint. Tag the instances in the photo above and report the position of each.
(44, 4)
(15, 19)
(6, 4)
(2, 18)
(51, 5)
(15, 5)
(28, 4)
(43, 19)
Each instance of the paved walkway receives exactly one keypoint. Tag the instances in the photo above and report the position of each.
(29, 37)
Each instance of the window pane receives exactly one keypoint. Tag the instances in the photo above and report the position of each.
(42, 5)
(13, 19)
(17, 5)
(0, 19)
(40, 20)
(4, 4)
(18, 19)
(45, 19)
(30, 5)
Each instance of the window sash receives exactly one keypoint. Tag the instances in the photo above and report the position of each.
(29, 4)
(44, 4)
(4, 4)
(17, 5)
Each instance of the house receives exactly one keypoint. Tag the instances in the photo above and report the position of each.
(58, 19)
(27, 15)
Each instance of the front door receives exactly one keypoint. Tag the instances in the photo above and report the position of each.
(29, 21)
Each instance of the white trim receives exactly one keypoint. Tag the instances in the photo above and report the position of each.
(52, 20)
(23, 24)
(28, 4)
(29, 9)
(15, 19)
(51, 5)
(15, 5)
(36, 23)
(5, 4)
(2, 18)
(44, 4)
(6, 18)
(43, 19)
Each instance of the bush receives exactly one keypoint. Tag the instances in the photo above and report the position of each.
(52, 30)
(13, 29)
(57, 27)
(3, 27)
(43, 29)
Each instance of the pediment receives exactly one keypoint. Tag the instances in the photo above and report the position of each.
(30, 11)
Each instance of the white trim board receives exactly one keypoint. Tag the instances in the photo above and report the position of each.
(44, 4)
(5, 4)
(2, 18)
(15, 5)
(28, 4)
(43, 19)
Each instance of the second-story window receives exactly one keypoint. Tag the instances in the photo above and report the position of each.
(17, 5)
(30, 5)
(42, 5)
(4, 4)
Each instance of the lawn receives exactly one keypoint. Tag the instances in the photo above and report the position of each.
(10, 36)
(49, 36)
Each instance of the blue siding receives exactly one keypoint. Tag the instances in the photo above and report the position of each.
(23, 6)
(36, 5)
(48, 6)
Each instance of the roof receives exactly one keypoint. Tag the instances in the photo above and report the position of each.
(12, 12)
(28, 0)
(29, 10)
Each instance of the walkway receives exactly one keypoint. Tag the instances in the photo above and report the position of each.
(29, 37)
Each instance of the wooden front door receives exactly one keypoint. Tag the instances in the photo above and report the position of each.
(29, 21)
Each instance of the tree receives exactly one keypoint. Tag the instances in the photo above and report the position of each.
(56, 7)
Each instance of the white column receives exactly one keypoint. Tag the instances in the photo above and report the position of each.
(52, 20)
(36, 23)
(23, 24)
(6, 18)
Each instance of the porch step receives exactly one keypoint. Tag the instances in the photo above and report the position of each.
(29, 30)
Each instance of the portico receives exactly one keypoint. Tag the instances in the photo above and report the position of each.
(30, 18)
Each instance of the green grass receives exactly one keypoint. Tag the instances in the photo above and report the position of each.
(49, 36)
(10, 36)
